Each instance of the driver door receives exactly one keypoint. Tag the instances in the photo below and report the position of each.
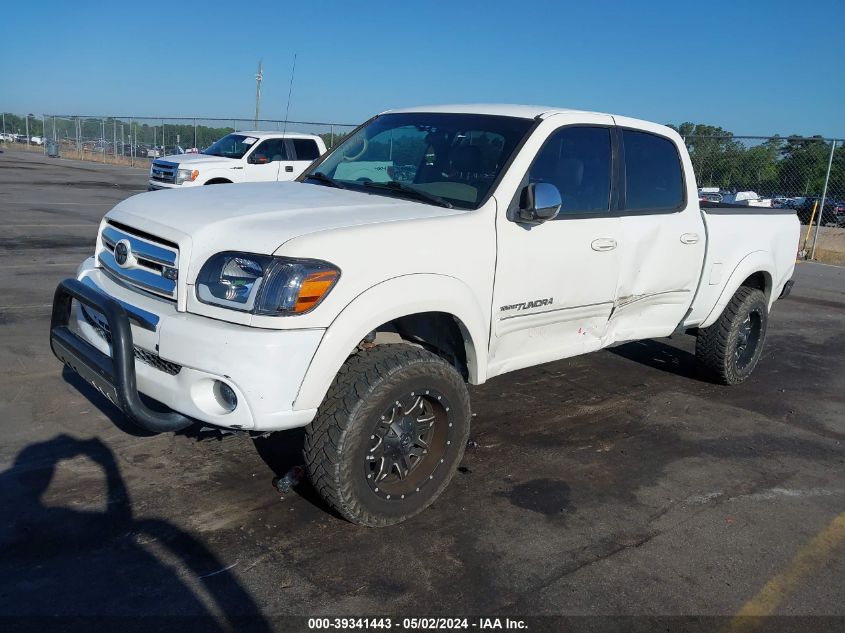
(264, 161)
(555, 283)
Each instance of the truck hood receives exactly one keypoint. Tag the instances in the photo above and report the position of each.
(196, 159)
(258, 217)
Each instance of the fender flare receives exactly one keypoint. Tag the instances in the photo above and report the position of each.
(754, 262)
(216, 176)
(424, 292)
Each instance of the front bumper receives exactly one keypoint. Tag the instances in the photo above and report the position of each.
(265, 368)
(156, 185)
(113, 376)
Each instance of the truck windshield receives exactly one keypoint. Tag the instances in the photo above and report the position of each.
(231, 146)
(444, 158)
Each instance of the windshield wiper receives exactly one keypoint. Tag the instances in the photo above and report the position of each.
(320, 176)
(394, 185)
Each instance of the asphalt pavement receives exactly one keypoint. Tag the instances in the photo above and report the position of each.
(621, 483)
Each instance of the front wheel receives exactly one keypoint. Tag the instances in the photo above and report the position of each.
(732, 346)
(389, 435)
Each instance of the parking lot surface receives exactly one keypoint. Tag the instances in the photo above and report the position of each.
(619, 483)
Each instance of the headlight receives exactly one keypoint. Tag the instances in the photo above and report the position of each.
(266, 285)
(186, 175)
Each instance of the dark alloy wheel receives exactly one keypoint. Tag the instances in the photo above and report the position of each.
(407, 445)
(389, 435)
(748, 338)
(732, 346)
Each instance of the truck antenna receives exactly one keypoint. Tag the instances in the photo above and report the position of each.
(258, 78)
(290, 90)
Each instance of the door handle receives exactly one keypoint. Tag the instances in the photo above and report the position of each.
(603, 244)
(288, 167)
(689, 238)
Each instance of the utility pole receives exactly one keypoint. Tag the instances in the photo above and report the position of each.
(820, 219)
(258, 79)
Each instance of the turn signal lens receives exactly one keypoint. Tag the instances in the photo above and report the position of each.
(313, 288)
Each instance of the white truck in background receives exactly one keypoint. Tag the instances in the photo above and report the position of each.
(480, 240)
(239, 157)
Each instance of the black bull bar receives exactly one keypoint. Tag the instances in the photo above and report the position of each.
(113, 376)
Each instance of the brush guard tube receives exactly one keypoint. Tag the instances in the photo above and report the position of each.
(113, 376)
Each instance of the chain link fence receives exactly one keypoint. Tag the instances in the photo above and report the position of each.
(806, 174)
(135, 141)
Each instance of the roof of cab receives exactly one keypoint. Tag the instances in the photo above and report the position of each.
(275, 134)
(501, 109)
(534, 111)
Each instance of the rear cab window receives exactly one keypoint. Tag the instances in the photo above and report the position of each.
(654, 179)
(305, 149)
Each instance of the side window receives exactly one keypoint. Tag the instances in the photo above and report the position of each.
(577, 161)
(305, 149)
(273, 149)
(653, 175)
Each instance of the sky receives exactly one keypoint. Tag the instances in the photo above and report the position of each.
(755, 67)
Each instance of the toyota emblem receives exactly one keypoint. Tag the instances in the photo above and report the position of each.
(122, 252)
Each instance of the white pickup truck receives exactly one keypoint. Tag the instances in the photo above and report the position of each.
(239, 157)
(482, 240)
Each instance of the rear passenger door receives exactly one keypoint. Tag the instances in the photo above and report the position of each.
(303, 151)
(661, 250)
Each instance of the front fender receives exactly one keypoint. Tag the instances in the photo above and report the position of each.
(754, 262)
(218, 172)
(378, 305)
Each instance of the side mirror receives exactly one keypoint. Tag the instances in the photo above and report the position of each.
(259, 159)
(540, 202)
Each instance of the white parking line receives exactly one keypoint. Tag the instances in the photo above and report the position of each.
(51, 226)
(31, 307)
(72, 264)
(75, 204)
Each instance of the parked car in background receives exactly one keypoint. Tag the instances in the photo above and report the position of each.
(746, 199)
(834, 211)
(708, 196)
(239, 157)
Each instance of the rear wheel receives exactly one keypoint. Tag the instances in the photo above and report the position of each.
(389, 435)
(732, 346)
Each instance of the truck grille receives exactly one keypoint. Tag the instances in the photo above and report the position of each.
(162, 171)
(142, 260)
(147, 357)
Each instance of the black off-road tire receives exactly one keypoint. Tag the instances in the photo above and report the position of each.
(339, 440)
(719, 347)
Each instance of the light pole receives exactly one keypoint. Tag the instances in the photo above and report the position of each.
(258, 79)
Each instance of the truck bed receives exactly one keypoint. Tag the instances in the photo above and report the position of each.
(742, 239)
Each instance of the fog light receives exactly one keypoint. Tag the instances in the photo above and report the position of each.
(225, 395)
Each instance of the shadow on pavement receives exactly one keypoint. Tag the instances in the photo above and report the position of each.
(659, 355)
(62, 561)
